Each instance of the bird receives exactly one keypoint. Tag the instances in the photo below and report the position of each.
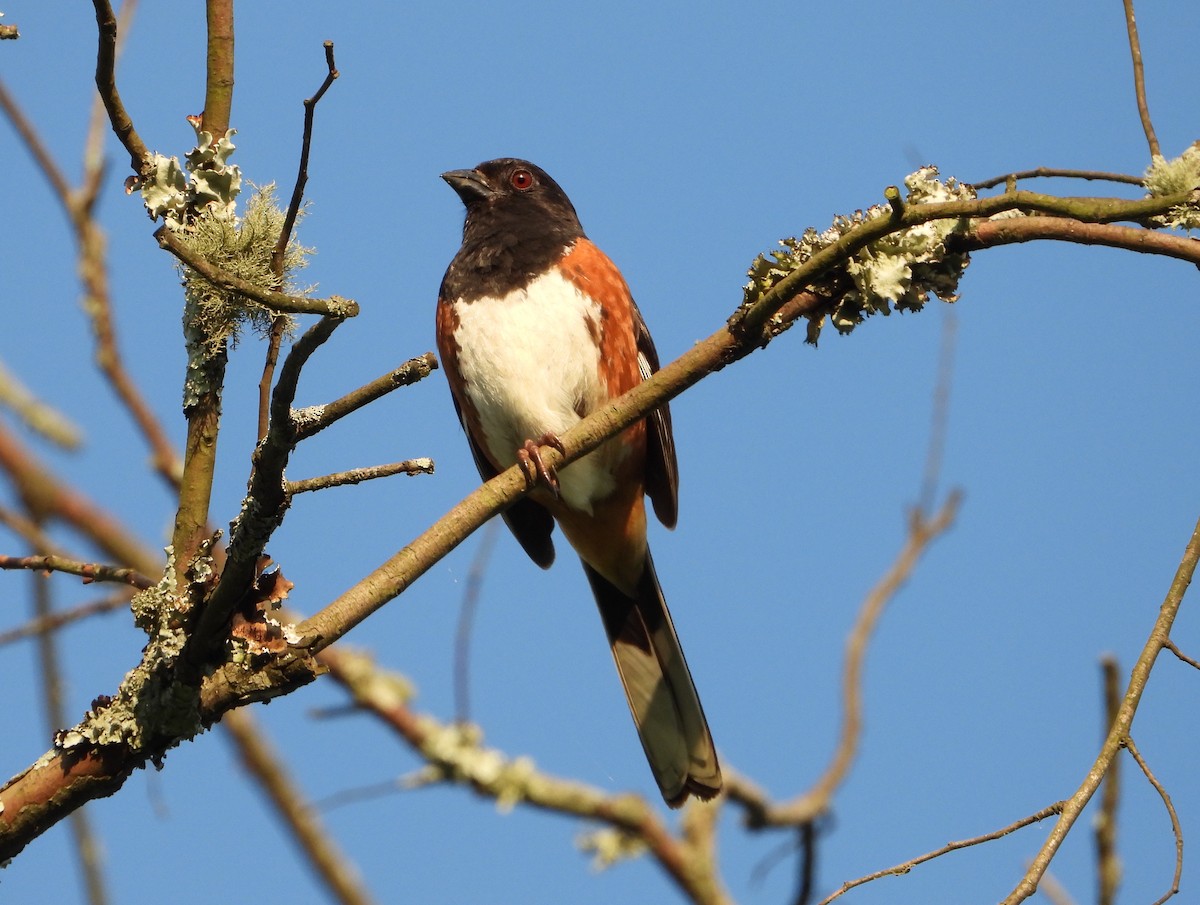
(537, 329)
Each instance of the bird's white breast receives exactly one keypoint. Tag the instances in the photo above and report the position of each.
(530, 363)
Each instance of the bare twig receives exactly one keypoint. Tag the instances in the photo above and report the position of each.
(310, 107)
(314, 420)
(62, 618)
(285, 237)
(1139, 79)
(1108, 862)
(1053, 890)
(1173, 648)
(940, 416)
(91, 243)
(907, 866)
(88, 571)
(1175, 826)
(1056, 173)
(46, 496)
(358, 475)
(36, 414)
(33, 142)
(466, 621)
(301, 820)
(106, 83)
(334, 306)
(1120, 728)
(761, 812)
(55, 711)
(991, 233)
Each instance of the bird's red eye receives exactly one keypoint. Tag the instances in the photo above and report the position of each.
(522, 180)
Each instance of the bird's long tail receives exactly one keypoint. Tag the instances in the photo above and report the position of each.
(658, 686)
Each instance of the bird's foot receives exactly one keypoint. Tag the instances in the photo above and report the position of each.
(529, 457)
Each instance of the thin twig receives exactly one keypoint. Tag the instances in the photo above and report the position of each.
(88, 571)
(293, 211)
(1173, 648)
(285, 237)
(36, 414)
(1057, 173)
(907, 866)
(1104, 827)
(760, 811)
(334, 306)
(1053, 890)
(1139, 79)
(33, 142)
(61, 618)
(299, 817)
(55, 711)
(940, 416)
(315, 419)
(1120, 728)
(358, 475)
(1175, 826)
(45, 495)
(466, 621)
(90, 240)
(106, 84)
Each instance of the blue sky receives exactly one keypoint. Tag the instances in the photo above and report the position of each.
(690, 138)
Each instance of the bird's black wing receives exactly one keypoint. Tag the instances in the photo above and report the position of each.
(662, 471)
(530, 523)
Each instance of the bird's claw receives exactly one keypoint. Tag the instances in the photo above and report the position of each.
(529, 457)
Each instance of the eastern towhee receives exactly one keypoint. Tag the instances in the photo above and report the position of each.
(536, 329)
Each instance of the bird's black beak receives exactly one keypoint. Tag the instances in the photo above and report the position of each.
(469, 185)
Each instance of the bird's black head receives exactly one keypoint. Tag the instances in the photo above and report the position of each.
(511, 195)
(519, 222)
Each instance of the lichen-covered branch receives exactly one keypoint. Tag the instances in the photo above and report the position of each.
(455, 753)
(335, 306)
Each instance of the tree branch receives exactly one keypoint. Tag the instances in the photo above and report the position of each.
(907, 866)
(1139, 80)
(358, 475)
(88, 571)
(1120, 728)
(106, 84)
(315, 419)
(455, 754)
(298, 816)
(1176, 829)
(334, 306)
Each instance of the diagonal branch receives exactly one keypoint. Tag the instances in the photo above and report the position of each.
(1120, 728)
(299, 817)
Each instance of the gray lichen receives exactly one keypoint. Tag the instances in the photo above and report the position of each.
(900, 271)
(1170, 177)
